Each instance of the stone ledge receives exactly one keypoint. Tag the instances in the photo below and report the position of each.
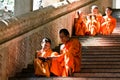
(20, 25)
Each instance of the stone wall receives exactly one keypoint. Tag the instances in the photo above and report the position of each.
(102, 4)
(20, 36)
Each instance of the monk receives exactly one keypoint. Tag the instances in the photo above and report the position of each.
(80, 26)
(108, 22)
(69, 60)
(42, 61)
(92, 25)
(95, 12)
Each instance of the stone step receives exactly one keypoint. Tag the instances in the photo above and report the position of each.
(100, 52)
(104, 47)
(109, 42)
(98, 43)
(100, 66)
(101, 40)
(99, 70)
(112, 40)
(102, 36)
(100, 47)
(107, 38)
(100, 56)
(101, 59)
(100, 63)
(87, 65)
(64, 78)
(97, 75)
(84, 71)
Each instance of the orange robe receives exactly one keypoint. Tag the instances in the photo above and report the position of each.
(42, 67)
(108, 25)
(70, 58)
(92, 25)
(99, 18)
(80, 27)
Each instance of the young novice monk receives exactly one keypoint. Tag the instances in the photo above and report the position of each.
(80, 26)
(108, 22)
(92, 25)
(42, 61)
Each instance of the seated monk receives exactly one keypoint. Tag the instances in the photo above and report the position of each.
(108, 22)
(43, 59)
(80, 26)
(97, 22)
(92, 25)
(69, 60)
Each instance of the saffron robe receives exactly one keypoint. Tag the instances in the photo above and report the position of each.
(108, 25)
(69, 58)
(92, 25)
(42, 67)
(80, 27)
(98, 19)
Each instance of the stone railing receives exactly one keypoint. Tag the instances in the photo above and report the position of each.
(20, 36)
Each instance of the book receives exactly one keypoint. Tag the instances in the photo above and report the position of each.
(45, 59)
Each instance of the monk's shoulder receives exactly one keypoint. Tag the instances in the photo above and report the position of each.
(74, 39)
(114, 19)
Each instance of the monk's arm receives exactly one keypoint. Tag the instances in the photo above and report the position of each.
(75, 48)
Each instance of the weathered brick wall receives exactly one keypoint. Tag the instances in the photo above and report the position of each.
(20, 37)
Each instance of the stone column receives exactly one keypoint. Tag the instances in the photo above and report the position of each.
(46, 3)
(22, 7)
(114, 4)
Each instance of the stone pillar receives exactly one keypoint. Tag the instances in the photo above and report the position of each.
(22, 7)
(114, 4)
(46, 3)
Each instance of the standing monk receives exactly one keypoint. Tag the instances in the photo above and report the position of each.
(41, 62)
(108, 23)
(69, 60)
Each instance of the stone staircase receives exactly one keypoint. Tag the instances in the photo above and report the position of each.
(100, 60)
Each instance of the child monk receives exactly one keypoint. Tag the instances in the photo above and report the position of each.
(80, 26)
(43, 58)
(108, 22)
